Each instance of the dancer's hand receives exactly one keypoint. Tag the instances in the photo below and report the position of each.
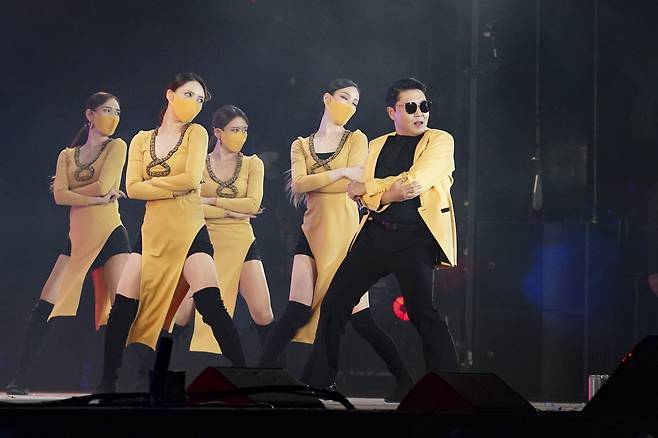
(116, 194)
(208, 201)
(113, 195)
(356, 189)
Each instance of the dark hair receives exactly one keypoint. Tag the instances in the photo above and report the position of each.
(401, 85)
(93, 102)
(225, 114)
(181, 79)
(223, 117)
(340, 83)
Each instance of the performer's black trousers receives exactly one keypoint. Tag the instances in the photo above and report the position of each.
(410, 255)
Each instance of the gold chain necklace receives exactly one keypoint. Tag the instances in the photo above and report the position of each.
(85, 172)
(228, 184)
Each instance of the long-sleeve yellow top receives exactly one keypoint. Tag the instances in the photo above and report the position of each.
(246, 193)
(188, 166)
(68, 190)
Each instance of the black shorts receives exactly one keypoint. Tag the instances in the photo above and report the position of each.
(117, 243)
(253, 253)
(303, 247)
(201, 243)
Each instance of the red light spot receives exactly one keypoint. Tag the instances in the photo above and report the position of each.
(399, 309)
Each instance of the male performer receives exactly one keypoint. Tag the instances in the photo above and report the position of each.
(409, 230)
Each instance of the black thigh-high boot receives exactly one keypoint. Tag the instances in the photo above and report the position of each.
(35, 333)
(367, 327)
(263, 332)
(121, 319)
(145, 361)
(295, 316)
(181, 340)
(208, 302)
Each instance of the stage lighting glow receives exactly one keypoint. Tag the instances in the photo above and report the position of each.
(399, 309)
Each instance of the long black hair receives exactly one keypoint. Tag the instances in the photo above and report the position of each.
(340, 83)
(93, 102)
(178, 81)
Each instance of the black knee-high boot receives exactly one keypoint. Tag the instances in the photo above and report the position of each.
(295, 316)
(263, 332)
(365, 325)
(121, 319)
(208, 302)
(145, 361)
(181, 340)
(35, 333)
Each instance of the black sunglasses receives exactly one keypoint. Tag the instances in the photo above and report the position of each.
(411, 107)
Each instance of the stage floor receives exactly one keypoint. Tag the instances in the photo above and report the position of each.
(370, 404)
(25, 416)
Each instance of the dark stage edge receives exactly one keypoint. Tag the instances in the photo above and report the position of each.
(372, 418)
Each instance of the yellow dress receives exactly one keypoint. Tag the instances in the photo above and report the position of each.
(90, 226)
(170, 223)
(331, 218)
(231, 237)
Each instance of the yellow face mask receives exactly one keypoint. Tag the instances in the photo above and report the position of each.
(340, 112)
(233, 141)
(106, 124)
(184, 109)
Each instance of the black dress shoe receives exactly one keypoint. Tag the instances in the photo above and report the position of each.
(106, 387)
(399, 392)
(15, 388)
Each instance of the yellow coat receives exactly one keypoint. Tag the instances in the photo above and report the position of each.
(169, 227)
(432, 168)
(90, 226)
(331, 218)
(231, 238)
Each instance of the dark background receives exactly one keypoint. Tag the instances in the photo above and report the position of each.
(555, 295)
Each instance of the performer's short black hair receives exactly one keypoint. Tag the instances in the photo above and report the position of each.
(401, 85)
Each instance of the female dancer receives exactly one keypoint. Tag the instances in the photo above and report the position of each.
(87, 179)
(321, 167)
(232, 192)
(173, 256)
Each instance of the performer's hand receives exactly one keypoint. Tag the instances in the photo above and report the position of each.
(208, 201)
(411, 190)
(653, 283)
(353, 173)
(102, 200)
(116, 194)
(356, 189)
(402, 191)
(236, 215)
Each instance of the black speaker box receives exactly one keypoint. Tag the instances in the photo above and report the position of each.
(464, 393)
(218, 379)
(632, 389)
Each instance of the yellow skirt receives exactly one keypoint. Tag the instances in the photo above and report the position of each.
(90, 228)
(169, 228)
